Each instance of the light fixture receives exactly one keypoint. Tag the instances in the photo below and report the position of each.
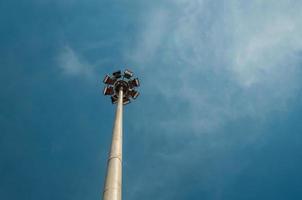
(114, 99)
(133, 93)
(109, 80)
(117, 74)
(119, 81)
(133, 83)
(126, 100)
(128, 74)
(108, 90)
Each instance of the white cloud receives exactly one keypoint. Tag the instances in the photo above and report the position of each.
(215, 63)
(226, 60)
(72, 65)
(152, 36)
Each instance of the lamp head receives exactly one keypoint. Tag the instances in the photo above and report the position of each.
(123, 81)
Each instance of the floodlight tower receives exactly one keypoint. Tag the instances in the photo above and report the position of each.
(121, 87)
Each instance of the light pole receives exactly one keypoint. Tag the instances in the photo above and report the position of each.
(121, 87)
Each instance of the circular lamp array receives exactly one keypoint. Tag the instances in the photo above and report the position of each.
(124, 81)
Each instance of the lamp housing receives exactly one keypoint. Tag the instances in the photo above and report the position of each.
(108, 90)
(128, 74)
(117, 74)
(108, 80)
(133, 83)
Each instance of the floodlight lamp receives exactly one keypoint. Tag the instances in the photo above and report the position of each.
(126, 100)
(109, 80)
(133, 83)
(128, 74)
(108, 90)
(117, 74)
(134, 94)
(114, 99)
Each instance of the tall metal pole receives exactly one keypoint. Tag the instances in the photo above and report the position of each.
(113, 183)
(122, 89)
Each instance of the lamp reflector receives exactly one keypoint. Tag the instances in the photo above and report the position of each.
(133, 83)
(109, 80)
(117, 74)
(108, 90)
(114, 99)
(128, 74)
(134, 94)
(126, 100)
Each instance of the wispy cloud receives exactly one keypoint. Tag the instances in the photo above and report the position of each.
(227, 60)
(72, 65)
(212, 63)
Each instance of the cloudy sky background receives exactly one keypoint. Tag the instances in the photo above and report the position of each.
(219, 116)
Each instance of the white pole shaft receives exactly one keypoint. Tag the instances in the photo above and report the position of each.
(113, 183)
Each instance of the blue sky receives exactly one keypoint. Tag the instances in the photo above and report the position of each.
(219, 115)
